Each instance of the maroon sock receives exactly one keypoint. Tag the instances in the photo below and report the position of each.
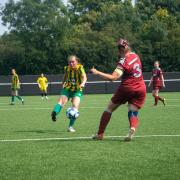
(160, 98)
(133, 121)
(105, 118)
(156, 98)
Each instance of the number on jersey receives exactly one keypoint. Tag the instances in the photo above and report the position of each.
(137, 70)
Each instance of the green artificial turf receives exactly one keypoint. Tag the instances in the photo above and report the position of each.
(154, 153)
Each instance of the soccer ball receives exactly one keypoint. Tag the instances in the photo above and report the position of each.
(72, 113)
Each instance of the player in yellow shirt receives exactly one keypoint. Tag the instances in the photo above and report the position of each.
(73, 84)
(43, 84)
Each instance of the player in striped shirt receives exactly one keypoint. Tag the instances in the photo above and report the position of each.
(15, 86)
(73, 84)
(157, 80)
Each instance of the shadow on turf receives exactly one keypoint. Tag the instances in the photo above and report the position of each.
(40, 131)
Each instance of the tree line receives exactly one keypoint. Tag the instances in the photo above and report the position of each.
(42, 33)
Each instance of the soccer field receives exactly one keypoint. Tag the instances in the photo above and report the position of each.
(33, 147)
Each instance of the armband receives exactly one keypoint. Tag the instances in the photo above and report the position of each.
(119, 71)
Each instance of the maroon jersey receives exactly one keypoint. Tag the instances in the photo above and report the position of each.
(132, 71)
(157, 73)
(132, 88)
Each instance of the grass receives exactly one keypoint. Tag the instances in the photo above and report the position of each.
(156, 157)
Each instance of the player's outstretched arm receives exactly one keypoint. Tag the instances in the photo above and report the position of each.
(150, 82)
(111, 77)
(162, 79)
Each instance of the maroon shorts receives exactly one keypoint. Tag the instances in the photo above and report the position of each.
(156, 87)
(135, 96)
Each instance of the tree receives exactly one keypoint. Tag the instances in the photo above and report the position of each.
(39, 25)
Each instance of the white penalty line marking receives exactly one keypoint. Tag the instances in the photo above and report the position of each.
(84, 138)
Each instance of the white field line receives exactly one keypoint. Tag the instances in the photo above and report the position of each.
(50, 108)
(85, 138)
(100, 100)
(94, 107)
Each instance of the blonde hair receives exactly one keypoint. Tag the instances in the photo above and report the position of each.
(157, 62)
(13, 70)
(73, 56)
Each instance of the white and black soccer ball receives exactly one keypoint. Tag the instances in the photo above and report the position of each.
(72, 113)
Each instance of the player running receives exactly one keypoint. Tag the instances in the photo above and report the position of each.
(157, 80)
(73, 84)
(43, 84)
(132, 89)
(15, 86)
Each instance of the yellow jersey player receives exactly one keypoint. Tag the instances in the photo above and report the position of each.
(43, 84)
(15, 86)
(73, 84)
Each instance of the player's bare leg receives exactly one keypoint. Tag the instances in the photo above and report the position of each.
(133, 121)
(105, 118)
(61, 102)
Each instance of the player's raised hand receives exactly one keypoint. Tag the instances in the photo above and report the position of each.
(94, 71)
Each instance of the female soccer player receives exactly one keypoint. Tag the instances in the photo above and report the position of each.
(15, 86)
(73, 83)
(157, 80)
(132, 89)
(43, 84)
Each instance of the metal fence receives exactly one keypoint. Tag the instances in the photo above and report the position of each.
(95, 85)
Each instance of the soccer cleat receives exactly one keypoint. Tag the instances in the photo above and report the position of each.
(46, 97)
(53, 116)
(98, 136)
(12, 103)
(130, 135)
(22, 101)
(71, 129)
(164, 101)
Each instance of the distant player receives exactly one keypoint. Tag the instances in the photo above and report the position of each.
(15, 86)
(43, 84)
(73, 83)
(132, 89)
(157, 80)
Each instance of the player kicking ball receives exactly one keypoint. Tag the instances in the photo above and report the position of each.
(73, 84)
(157, 79)
(132, 89)
(43, 84)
